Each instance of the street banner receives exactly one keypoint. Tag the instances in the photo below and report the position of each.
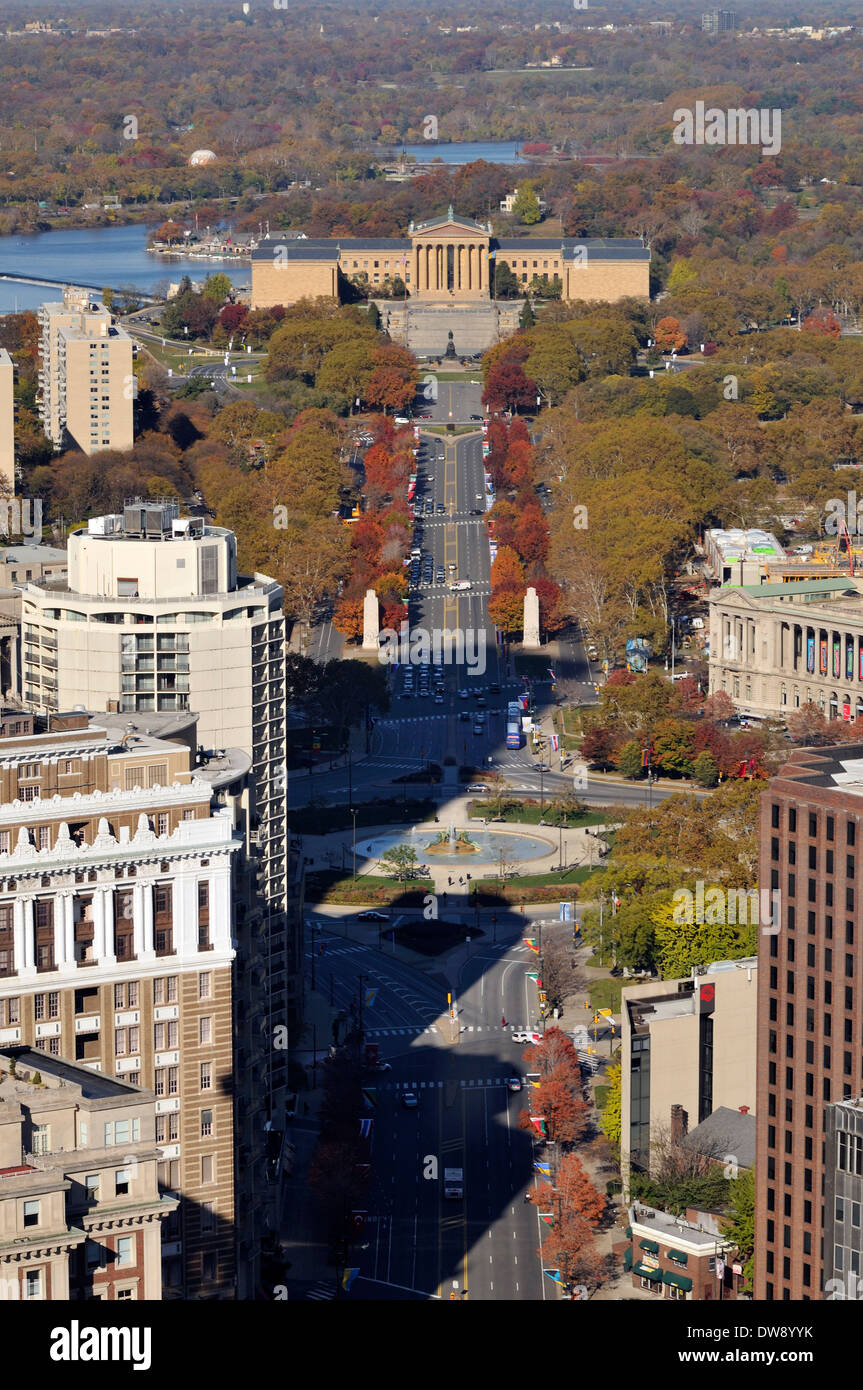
(348, 1278)
(547, 1217)
(565, 910)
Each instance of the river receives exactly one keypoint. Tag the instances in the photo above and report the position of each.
(102, 256)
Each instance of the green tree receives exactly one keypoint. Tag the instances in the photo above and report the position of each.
(682, 941)
(629, 760)
(555, 364)
(740, 1225)
(705, 770)
(402, 859)
(506, 282)
(217, 287)
(525, 208)
(610, 1117)
(527, 318)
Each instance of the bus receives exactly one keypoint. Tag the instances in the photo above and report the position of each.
(514, 736)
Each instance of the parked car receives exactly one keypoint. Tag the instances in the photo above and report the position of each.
(372, 914)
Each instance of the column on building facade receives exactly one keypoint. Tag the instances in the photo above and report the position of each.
(138, 920)
(460, 274)
(149, 942)
(29, 936)
(18, 945)
(69, 924)
(61, 955)
(98, 924)
(417, 268)
(483, 268)
(107, 895)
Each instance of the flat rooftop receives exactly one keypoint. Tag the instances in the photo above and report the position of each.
(93, 1085)
(672, 1228)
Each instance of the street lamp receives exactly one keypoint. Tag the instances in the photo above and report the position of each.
(354, 814)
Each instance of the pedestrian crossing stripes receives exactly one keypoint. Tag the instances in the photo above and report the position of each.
(321, 1292)
(474, 1083)
(399, 1032)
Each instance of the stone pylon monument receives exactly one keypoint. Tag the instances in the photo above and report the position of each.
(531, 619)
(371, 621)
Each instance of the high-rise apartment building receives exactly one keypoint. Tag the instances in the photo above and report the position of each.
(7, 425)
(810, 1009)
(81, 1213)
(154, 617)
(133, 942)
(86, 380)
(718, 21)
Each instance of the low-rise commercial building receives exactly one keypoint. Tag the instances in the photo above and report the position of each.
(687, 1048)
(80, 1207)
(676, 1258)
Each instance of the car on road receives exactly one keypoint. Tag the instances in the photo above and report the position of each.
(460, 586)
(513, 1084)
(464, 694)
(475, 511)
(464, 715)
(441, 508)
(409, 1100)
(543, 767)
(383, 1066)
(477, 787)
(439, 575)
(452, 567)
(438, 699)
(526, 1035)
(429, 506)
(478, 728)
(372, 914)
(476, 417)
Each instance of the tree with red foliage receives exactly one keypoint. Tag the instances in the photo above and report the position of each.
(348, 617)
(532, 535)
(823, 322)
(519, 465)
(550, 596)
(232, 316)
(507, 571)
(669, 335)
(508, 388)
(718, 707)
(506, 609)
(598, 746)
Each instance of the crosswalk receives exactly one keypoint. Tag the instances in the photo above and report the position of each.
(414, 1032)
(481, 1083)
(321, 1292)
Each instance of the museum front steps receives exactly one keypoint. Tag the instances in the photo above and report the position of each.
(425, 328)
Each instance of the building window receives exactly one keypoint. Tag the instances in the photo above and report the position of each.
(207, 1168)
(121, 1182)
(41, 1142)
(206, 1123)
(206, 1029)
(208, 1216)
(121, 1132)
(31, 1213)
(205, 985)
(91, 1182)
(850, 1153)
(125, 1255)
(10, 1011)
(33, 1283)
(206, 1076)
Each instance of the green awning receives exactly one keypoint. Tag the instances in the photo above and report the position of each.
(679, 1256)
(652, 1274)
(650, 1246)
(628, 1233)
(678, 1281)
(627, 1258)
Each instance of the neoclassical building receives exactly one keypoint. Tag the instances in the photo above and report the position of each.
(447, 260)
(775, 647)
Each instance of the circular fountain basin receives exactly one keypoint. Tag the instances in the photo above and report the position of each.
(487, 847)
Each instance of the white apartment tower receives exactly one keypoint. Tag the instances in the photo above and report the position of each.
(86, 379)
(155, 619)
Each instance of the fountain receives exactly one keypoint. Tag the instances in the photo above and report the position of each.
(451, 833)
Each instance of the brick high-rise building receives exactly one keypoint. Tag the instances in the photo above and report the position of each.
(80, 1207)
(810, 1007)
(133, 941)
(86, 379)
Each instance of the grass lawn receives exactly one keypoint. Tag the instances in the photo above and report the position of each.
(528, 813)
(332, 886)
(529, 888)
(532, 665)
(600, 1096)
(605, 994)
(442, 429)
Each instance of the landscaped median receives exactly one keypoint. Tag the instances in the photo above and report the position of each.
(331, 887)
(529, 888)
